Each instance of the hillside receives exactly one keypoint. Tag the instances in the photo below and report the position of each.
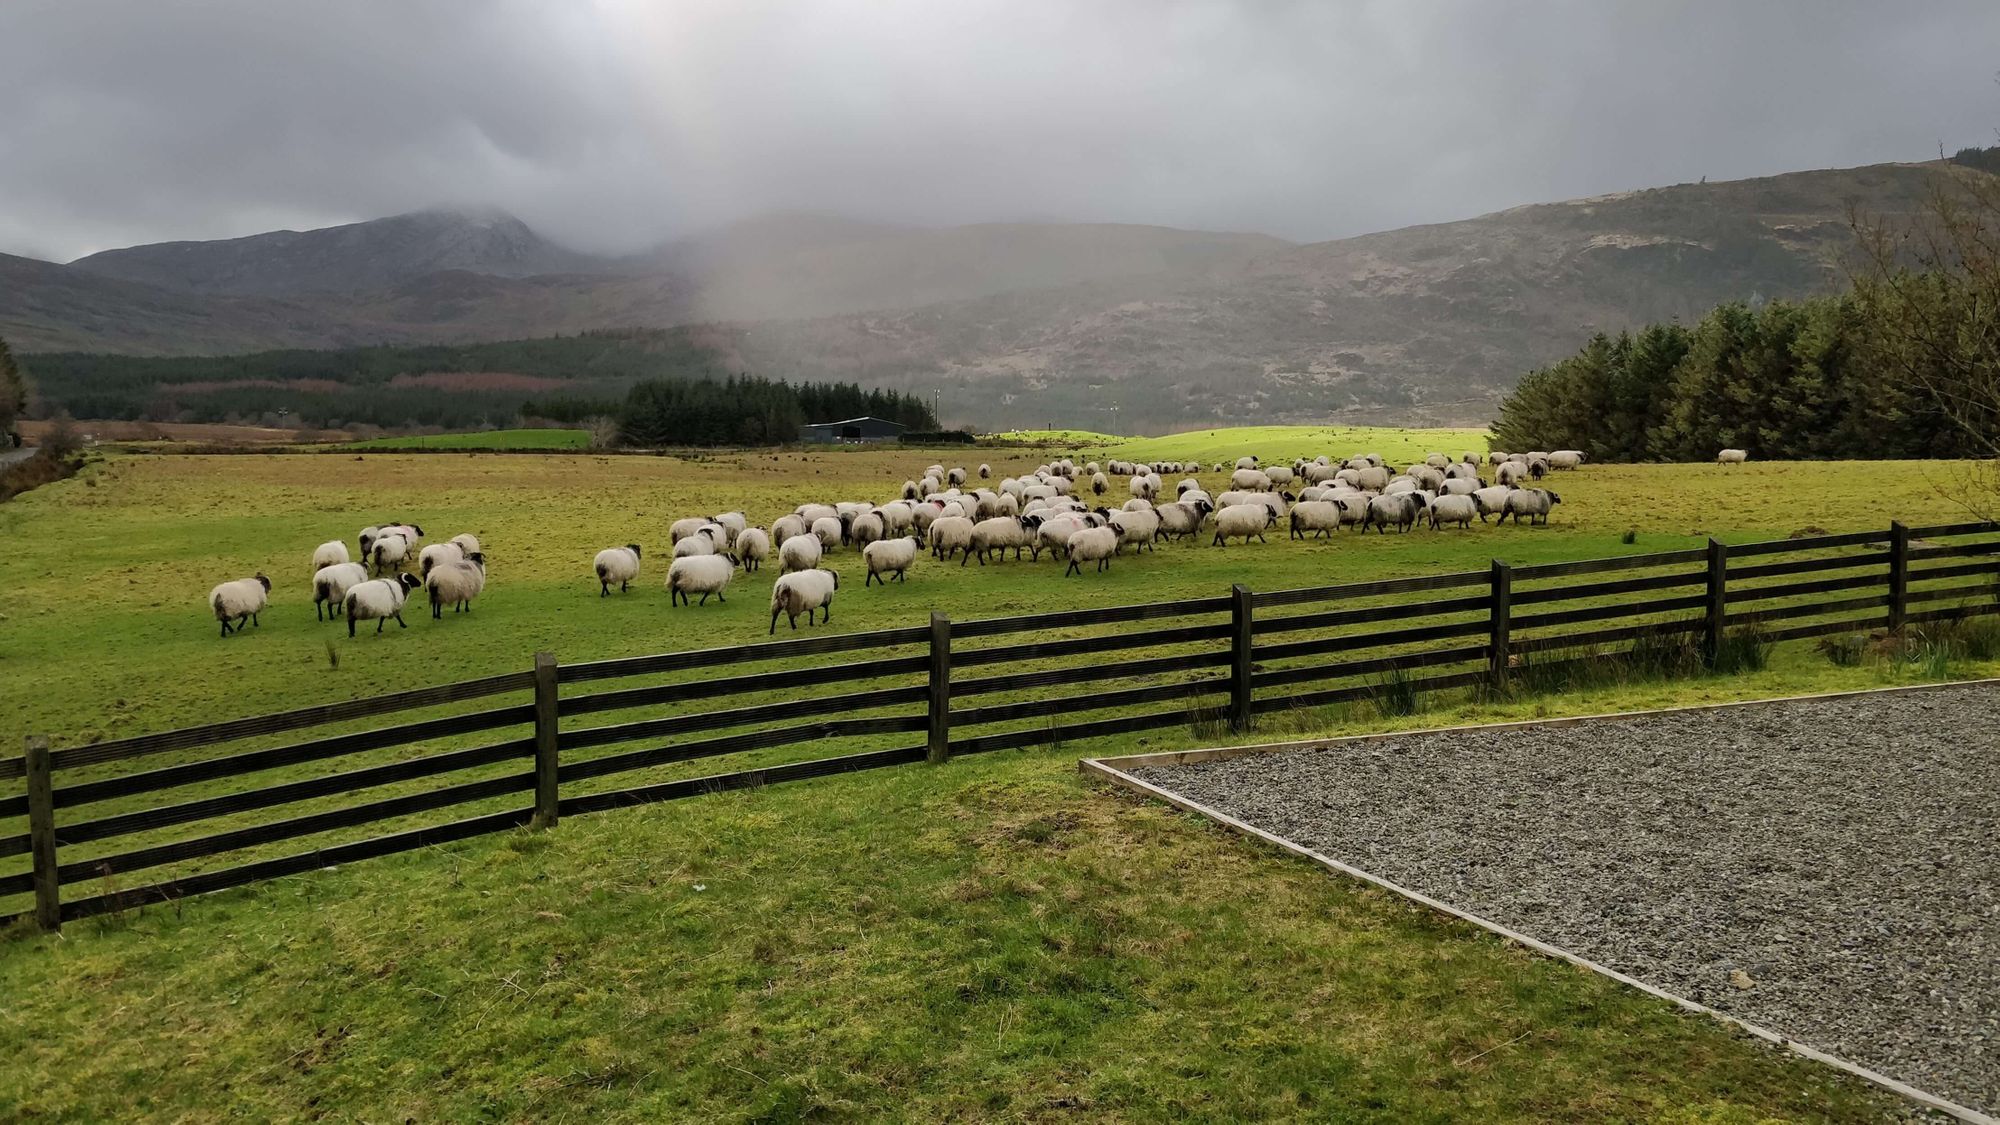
(1106, 326)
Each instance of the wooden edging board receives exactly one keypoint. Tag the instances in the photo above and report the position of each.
(1114, 770)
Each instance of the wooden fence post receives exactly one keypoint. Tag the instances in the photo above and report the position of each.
(939, 746)
(545, 740)
(1718, 602)
(42, 835)
(1239, 651)
(1899, 574)
(1501, 617)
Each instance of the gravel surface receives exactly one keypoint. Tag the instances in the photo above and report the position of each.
(1826, 870)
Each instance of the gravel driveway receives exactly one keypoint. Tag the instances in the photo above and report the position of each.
(1825, 869)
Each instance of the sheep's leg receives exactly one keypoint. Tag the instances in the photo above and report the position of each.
(826, 612)
(604, 587)
(899, 574)
(1072, 569)
(720, 600)
(774, 621)
(225, 625)
(870, 580)
(350, 625)
(379, 623)
(625, 586)
(400, 623)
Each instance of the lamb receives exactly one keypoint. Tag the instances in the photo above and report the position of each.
(800, 552)
(829, 531)
(333, 552)
(885, 556)
(389, 552)
(1091, 544)
(803, 592)
(379, 600)
(753, 547)
(616, 564)
(950, 535)
(330, 586)
(242, 599)
(994, 536)
(1138, 528)
(1184, 518)
(1732, 457)
(1322, 517)
(1459, 509)
(456, 583)
(1243, 521)
(437, 554)
(699, 574)
(1533, 503)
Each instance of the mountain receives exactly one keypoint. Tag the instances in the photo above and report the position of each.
(359, 256)
(1099, 325)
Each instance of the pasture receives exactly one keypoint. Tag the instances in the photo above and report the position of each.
(988, 938)
(530, 439)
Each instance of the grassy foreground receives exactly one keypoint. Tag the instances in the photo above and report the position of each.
(990, 939)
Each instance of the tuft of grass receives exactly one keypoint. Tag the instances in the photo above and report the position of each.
(1395, 694)
(1845, 651)
(1630, 537)
(1741, 650)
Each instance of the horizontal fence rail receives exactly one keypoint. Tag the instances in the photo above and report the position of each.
(915, 694)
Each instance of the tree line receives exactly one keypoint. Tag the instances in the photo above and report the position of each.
(746, 410)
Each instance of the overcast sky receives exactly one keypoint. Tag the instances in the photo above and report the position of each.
(611, 125)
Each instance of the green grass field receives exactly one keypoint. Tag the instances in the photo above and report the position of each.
(518, 440)
(1275, 444)
(993, 938)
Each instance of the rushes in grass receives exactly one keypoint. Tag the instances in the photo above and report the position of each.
(1742, 650)
(1396, 694)
(1630, 537)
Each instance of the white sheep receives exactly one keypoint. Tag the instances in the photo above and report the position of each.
(1565, 458)
(1098, 483)
(1492, 500)
(378, 600)
(735, 523)
(829, 531)
(436, 554)
(1534, 503)
(1374, 478)
(242, 599)
(1242, 521)
(985, 471)
(616, 564)
(950, 535)
(1184, 517)
(1399, 508)
(1246, 462)
(389, 551)
(1091, 544)
(1510, 472)
(785, 527)
(330, 586)
(1250, 480)
(753, 547)
(456, 584)
(892, 556)
(333, 552)
(1142, 487)
(1280, 476)
(696, 545)
(800, 552)
(994, 536)
(467, 543)
(699, 574)
(867, 528)
(803, 592)
(1459, 509)
(1321, 517)
(1436, 460)
(1732, 457)
(1139, 527)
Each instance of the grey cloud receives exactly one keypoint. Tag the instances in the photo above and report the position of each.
(614, 124)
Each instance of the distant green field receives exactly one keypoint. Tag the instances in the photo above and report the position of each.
(490, 439)
(1271, 443)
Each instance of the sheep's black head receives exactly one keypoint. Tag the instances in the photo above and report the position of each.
(477, 558)
(265, 581)
(634, 548)
(410, 581)
(836, 578)
(733, 560)
(418, 530)
(1554, 499)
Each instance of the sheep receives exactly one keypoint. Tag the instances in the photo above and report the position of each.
(1374, 478)
(1732, 457)
(1243, 520)
(1510, 473)
(1538, 467)
(1318, 516)
(1436, 460)
(1143, 487)
(1278, 502)
(800, 552)
(811, 512)
(695, 546)
(616, 564)
(949, 535)
(885, 556)
(681, 529)
(1497, 458)
(699, 574)
(367, 539)
(985, 471)
(1092, 544)
(994, 536)
(753, 547)
(1533, 503)
(785, 527)
(437, 554)
(390, 550)
(1184, 518)
(379, 600)
(1491, 500)
(1565, 458)
(242, 599)
(829, 531)
(1462, 486)
(333, 552)
(1279, 476)
(1399, 485)
(1250, 480)
(456, 583)
(1138, 527)
(1459, 509)
(1136, 505)
(867, 528)
(1098, 483)
(803, 592)
(1427, 478)
(1054, 533)
(330, 586)
(1399, 508)
(1249, 462)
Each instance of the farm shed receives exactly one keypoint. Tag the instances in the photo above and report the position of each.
(852, 430)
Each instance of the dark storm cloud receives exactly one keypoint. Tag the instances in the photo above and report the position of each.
(612, 125)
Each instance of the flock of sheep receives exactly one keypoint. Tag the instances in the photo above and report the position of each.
(1039, 511)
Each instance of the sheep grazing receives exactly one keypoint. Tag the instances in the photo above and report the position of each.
(378, 600)
(1436, 460)
(785, 527)
(753, 547)
(437, 554)
(1492, 501)
(1091, 544)
(985, 472)
(1510, 473)
(1098, 483)
(1246, 462)
(800, 552)
(950, 535)
(390, 551)
(456, 584)
(1184, 518)
(1139, 527)
(1374, 478)
(867, 528)
(829, 531)
(992, 537)
(699, 574)
(1565, 458)
(1732, 457)
(1399, 508)
(1250, 480)
(367, 539)
(893, 556)
(330, 586)
(333, 552)
(468, 544)
(734, 523)
(1533, 503)
(242, 599)
(1242, 521)
(803, 592)
(1321, 517)
(955, 478)
(1459, 509)
(696, 545)
(1280, 476)
(616, 564)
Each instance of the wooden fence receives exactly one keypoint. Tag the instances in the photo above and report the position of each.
(897, 696)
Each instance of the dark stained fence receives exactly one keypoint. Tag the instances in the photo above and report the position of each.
(563, 740)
